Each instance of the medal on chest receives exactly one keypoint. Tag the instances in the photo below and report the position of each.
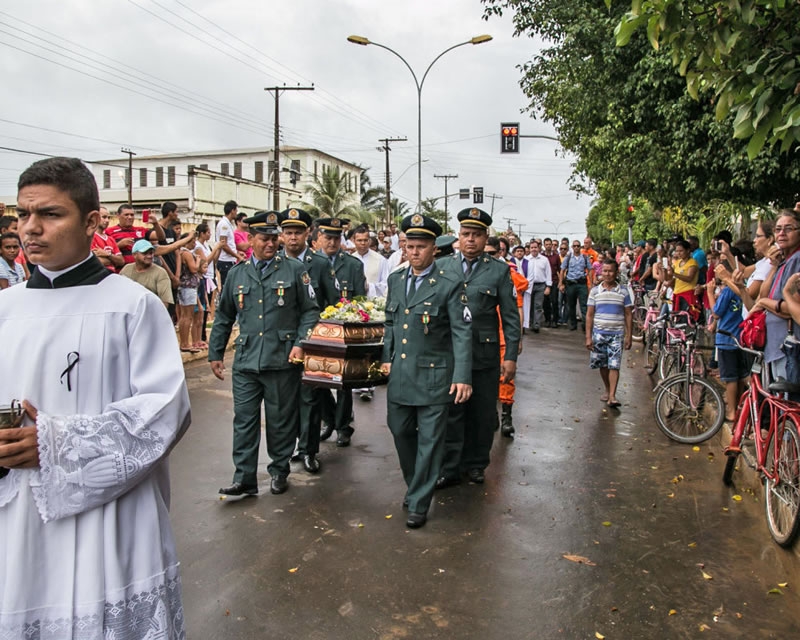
(240, 296)
(426, 320)
(280, 291)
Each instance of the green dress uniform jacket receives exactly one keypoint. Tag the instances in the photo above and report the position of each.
(347, 279)
(471, 426)
(346, 275)
(426, 339)
(429, 346)
(317, 268)
(488, 287)
(275, 311)
(267, 329)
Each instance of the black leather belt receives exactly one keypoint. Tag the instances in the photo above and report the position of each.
(574, 281)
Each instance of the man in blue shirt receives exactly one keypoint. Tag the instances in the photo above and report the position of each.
(572, 284)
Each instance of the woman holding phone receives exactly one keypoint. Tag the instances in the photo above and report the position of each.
(684, 272)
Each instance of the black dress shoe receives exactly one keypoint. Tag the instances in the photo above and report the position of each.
(311, 464)
(326, 432)
(416, 520)
(444, 482)
(238, 489)
(343, 440)
(296, 457)
(279, 484)
(476, 476)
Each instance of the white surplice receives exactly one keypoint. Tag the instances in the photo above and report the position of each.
(87, 549)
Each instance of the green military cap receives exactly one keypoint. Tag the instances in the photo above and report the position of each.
(444, 246)
(332, 226)
(474, 217)
(294, 217)
(418, 226)
(266, 222)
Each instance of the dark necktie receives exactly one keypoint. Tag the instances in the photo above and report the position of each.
(470, 266)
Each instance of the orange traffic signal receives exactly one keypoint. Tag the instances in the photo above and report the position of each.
(509, 137)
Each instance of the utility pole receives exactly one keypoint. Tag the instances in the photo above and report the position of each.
(276, 172)
(386, 148)
(494, 197)
(130, 174)
(509, 221)
(445, 178)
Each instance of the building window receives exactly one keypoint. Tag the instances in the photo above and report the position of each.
(142, 177)
(315, 169)
(106, 178)
(259, 171)
(159, 176)
(271, 169)
(295, 172)
(127, 178)
(171, 176)
(189, 169)
(237, 169)
(224, 169)
(204, 167)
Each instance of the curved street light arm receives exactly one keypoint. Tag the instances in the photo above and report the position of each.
(405, 62)
(455, 46)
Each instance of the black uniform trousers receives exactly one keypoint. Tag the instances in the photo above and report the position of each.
(471, 425)
(576, 292)
(311, 399)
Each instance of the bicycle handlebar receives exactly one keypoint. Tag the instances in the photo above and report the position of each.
(755, 352)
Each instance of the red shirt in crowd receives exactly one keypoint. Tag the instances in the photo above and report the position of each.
(117, 233)
(99, 242)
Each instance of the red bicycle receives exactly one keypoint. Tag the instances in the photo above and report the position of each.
(766, 434)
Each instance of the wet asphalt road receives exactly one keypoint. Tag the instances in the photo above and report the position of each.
(332, 559)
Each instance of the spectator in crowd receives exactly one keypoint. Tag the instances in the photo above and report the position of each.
(375, 266)
(207, 291)
(683, 274)
(386, 249)
(240, 235)
(609, 328)
(399, 255)
(575, 270)
(151, 276)
(168, 222)
(523, 266)
(551, 300)
(226, 234)
(541, 280)
(11, 272)
(504, 248)
(190, 270)
(104, 246)
(8, 224)
(394, 237)
(734, 365)
(125, 233)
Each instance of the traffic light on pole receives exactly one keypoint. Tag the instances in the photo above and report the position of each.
(509, 137)
(477, 195)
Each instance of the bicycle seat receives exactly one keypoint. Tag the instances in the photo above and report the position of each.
(781, 385)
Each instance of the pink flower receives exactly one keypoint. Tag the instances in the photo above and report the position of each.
(364, 315)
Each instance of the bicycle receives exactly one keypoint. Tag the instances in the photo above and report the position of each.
(689, 409)
(654, 334)
(776, 454)
(639, 310)
(681, 349)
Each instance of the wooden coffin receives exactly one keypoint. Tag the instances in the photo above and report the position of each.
(344, 355)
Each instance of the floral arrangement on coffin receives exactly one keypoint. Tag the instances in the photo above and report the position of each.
(359, 309)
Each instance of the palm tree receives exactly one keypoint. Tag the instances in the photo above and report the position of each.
(399, 209)
(328, 197)
(372, 198)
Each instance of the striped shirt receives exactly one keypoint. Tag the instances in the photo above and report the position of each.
(609, 304)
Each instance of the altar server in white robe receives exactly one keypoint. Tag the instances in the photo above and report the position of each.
(376, 268)
(87, 549)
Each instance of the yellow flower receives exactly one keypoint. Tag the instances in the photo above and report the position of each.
(339, 305)
(330, 309)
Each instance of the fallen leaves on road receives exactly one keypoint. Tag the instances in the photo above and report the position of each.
(606, 524)
(692, 545)
(388, 517)
(579, 559)
(737, 497)
(672, 612)
(293, 569)
(704, 627)
(599, 635)
(783, 584)
(706, 576)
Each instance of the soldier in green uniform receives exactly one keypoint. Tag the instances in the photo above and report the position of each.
(427, 348)
(295, 227)
(487, 286)
(275, 308)
(346, 274)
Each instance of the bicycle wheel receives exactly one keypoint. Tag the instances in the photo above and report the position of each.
(639, 314)
(743, 429)
(652, 349)
(670, 363)
(782, 494)
(679, 414)
(699, 364)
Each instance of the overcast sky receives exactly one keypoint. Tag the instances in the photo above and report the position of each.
(162, 76)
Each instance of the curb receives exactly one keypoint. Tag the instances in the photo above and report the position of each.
(203, 354)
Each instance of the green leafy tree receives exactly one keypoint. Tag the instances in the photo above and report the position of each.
(747, 52)
(372, 198)
(628, 118)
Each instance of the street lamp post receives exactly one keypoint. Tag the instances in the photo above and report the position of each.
(556, 226)
(366, 41)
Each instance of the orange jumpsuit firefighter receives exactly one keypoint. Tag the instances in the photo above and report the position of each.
(507, 388)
